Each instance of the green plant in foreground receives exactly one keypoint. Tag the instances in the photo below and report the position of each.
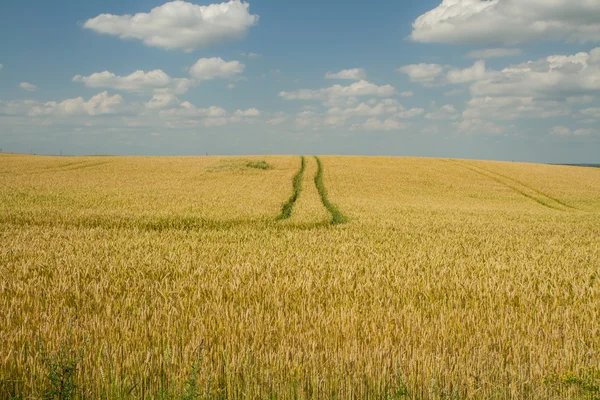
(586, 383)
(62, 369)
(336, 214)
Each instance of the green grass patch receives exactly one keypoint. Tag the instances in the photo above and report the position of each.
(584, 384)
(239, 165)
(288, 206)
(258, 165)
(336, 214)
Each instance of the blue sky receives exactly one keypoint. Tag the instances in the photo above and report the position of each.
(500, 79)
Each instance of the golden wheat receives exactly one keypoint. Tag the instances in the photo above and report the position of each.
(453, 279)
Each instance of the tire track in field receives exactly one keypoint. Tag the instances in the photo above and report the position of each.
(538, 192)
(67, 165)
(337, 217)
(288, 206)
(519, 187)
(71, 166)
(87, 165)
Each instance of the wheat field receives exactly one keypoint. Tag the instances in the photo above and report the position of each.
(181, 278)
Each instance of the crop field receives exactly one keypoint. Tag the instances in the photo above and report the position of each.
(297, 278)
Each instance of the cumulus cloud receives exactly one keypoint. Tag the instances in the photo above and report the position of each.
(494, 53)
(212, 116)
(100, 104)
(158, 82)
(137, 82)
(564, 131)
(187, 109)
(422, 73)
(509, 21)
(354, 74)
(28, 87)
(478, 126)
(251, 112)
(591, 112)
(338, 92)
(374, 108)
(407, 94)
(374, 124)
(387, 106)
(206, 69)
(446, 112)
(180, 25)
(471, 74)
(160, 101)
(277, 120)
(556, 76)
(513, 107)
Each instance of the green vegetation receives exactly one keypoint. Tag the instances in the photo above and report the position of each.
(258, 165)
(336, 215)
(288, 206)
(585, 384)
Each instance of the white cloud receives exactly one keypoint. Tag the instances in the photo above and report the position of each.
(413, 112)
(100, 104)
(137, 82)
(354, 74)
(407, 94)
(422, 73)
(307, 119)
(554, 77)
(277, 120)
(251, 112)
(189, 115)
(591, 112)
(564, 131)
(187, 109)
(509, 21)
(478, 126)
(387, 106)
(161, 101)
(180, 25)
(231, 86)
(206, 69)
(584, 132)
(513, 107)
(446, 112)
(336, 93)
(1, 66)
(28, 87)
(471, 74)
(494, 53)
(374, 124)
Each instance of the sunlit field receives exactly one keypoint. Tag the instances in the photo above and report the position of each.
(185, 277)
